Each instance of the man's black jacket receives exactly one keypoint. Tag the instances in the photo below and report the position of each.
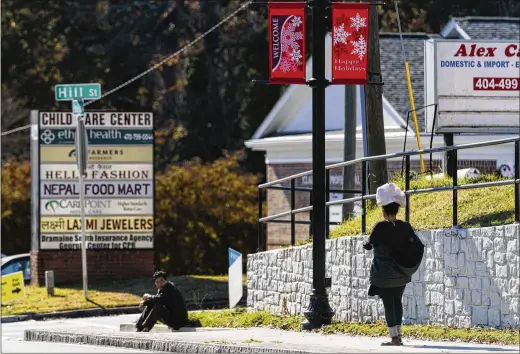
(171, 298)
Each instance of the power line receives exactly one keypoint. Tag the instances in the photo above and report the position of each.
(168, 58)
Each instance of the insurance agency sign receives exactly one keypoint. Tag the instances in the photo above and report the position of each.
(119, 187)
(476, 85)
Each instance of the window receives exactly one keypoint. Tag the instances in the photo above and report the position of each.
(12, 267)
(18, 265)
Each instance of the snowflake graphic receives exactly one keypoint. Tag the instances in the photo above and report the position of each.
(358, 22)
(340, 35)
(360, 47)
(296, 21)
(291, 39)
(296, 56)
(287, 66)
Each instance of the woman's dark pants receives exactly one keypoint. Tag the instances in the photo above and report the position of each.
(393, 303)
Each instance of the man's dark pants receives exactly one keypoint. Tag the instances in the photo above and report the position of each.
(154, 313)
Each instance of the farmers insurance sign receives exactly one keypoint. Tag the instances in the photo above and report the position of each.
(119, 187)
(477, 85)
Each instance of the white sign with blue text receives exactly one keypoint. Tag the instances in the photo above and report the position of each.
(235, 277)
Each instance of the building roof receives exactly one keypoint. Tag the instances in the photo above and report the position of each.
(490, 28)
(395, 88)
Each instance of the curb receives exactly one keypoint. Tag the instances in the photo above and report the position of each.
(144, 342)
(127, 310)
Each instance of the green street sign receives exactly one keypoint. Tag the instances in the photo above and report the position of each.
(71, 92)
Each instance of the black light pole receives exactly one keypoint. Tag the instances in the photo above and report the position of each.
(319, 311)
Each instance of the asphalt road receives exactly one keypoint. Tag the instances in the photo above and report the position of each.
(12, 336)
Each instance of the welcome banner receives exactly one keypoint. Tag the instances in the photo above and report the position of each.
(349, 43)
(287, 43)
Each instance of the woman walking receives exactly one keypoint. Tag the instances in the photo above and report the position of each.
(398, 253)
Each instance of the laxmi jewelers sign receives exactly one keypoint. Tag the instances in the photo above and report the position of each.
(119, 186)
(476, 85)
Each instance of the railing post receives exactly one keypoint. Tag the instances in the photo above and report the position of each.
(310, 215)
(327, 199)
(407, 188)
(260, 224)
(517, 177)
(363, 201)
(454, 201)
(293, 206)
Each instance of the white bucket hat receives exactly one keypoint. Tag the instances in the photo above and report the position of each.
(390, 193)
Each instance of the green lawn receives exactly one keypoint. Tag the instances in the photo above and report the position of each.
(479, 207)
(196, 289)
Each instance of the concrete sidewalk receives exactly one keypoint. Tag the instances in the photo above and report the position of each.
(253, 340)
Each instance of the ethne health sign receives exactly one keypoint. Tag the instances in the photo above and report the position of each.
(118, 189)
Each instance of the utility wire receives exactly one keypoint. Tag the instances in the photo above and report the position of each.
(170, 57)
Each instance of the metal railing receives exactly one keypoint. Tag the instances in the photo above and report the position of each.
(455, 187)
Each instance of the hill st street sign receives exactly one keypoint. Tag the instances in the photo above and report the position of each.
(71, 92)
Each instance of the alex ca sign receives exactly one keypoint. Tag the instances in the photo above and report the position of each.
(476, 85)
(118, 189)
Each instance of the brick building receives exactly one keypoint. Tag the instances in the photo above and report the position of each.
(286, 133)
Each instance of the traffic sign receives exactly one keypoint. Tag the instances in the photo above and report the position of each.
(78, 107)
(71, 92)
(12, 287)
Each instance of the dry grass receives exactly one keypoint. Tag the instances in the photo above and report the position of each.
(196, 289)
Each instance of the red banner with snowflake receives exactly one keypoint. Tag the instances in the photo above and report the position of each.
(287, 43)
(349, 43)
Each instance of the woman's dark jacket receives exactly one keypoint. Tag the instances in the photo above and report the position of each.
(398, 254)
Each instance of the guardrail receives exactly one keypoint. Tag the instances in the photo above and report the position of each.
(262, 240)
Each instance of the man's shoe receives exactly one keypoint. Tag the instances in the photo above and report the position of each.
(400, 339)
(146, 329)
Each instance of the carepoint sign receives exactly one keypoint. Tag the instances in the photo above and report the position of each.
(476, 85)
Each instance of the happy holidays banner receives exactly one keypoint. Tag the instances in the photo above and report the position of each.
(349, 43)
(287, 43)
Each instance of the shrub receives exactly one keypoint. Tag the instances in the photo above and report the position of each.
(201, 210)
(16, 207)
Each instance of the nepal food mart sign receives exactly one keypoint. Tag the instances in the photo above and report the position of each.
(475, 84)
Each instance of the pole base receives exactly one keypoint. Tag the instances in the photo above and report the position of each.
(319, 312)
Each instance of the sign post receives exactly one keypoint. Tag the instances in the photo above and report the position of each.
(78, 111)
(77, 93)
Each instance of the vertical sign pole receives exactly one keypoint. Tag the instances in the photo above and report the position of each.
(83, 235)
(82, 159)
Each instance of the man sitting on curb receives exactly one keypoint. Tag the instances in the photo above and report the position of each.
(168, 306)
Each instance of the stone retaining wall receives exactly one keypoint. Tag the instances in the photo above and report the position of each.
(467, 278)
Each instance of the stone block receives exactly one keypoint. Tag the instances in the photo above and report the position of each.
(471, 269)
(511, 231)
(461, 260)
(450, 281)
(462, 283)
(454, 245)
(479, 316)
(499, 245)
(487, 243)
(476, 298)
(494, 299)
(459, 294)
(450, 308)
(500, 258)
(490, 259)
(494, 318)
(475, 284)
(486, 301)
(501, 271)
(485, 285)
(514, 286)
(481, 269)
(512, 246)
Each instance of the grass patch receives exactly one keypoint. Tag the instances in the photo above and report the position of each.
(196, 289)
(480, 207)
(252, 341)
(240, 318)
